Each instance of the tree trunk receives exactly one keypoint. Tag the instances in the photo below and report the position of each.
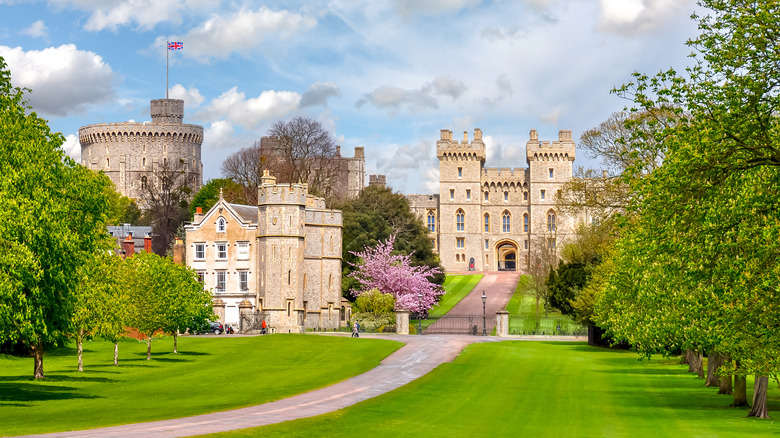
(116, 353)
(148, 348)
(759, 398)
(700, 365)
(695, 362)
(714, 360)
(725, 385)
(689, 360)
(740, 390)
(37, 351)
(175, 341)
(80, 345)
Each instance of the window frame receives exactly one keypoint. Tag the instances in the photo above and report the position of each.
(200, 250)
(220, 251)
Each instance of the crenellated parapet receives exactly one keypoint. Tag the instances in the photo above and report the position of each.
(451, 150)
(505, 178)
(561, 150)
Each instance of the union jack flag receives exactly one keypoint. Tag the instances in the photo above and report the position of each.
(175, 45)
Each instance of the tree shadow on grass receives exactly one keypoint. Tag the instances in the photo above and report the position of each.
(20, 394)
(169, 356)
(56, 378)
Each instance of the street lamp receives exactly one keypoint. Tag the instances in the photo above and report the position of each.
(484, 317)
(419, 313)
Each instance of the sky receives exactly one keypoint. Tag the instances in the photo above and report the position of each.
(383, 75)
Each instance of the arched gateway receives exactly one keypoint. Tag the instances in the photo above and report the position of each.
(506, 255)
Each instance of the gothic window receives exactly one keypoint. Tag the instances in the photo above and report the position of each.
(460, 219)
(542, 193)
(551, 173)
(143, 183)
(457, 257)
(431, 222)
(551, 243)
(525, 223)
(487, 197)
(460, 172)
(525, 196)
(551, 221)
(506, 196)
(468, 195)
(221, 225)
(507, 222)
(452, 194)
(487, 223)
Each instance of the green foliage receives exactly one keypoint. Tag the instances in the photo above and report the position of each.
(374, 302)
(53, 215)
(563, 284)
(208, 195)
(374, 216)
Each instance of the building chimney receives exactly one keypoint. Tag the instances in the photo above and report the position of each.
(178, 252)
(128, 246)
(148, 244)
(198, 215)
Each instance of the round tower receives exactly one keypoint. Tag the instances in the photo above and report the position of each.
(130, 152)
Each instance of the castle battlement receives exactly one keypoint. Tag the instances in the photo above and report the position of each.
(448, 148)
(561, 150)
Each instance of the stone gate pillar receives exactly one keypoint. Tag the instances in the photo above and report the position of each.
(219, 309)
(502, 323)
(402, 321)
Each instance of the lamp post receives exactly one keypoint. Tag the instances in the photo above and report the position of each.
(484, 315)
(419, 313)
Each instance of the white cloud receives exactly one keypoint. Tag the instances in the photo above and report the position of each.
(432, 7)
(37, 30)
(191, 96)
(63, 80)
(552, 117)
(219, 135)
(241, 31)
(72, 147)
(635, 16)
(249, 112)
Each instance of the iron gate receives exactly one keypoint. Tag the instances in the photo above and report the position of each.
(251, 321)
(455, 324)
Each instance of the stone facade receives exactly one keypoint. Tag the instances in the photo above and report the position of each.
(281, 257)
(129, 153)
(488, 219)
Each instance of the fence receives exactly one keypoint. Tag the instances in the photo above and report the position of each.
(251, 322)
(548, 326)
(450, 324)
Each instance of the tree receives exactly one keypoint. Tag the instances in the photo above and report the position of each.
(375, 215)
(299, 150)
(98, 306)
(394, 274)
(52, 218)
(167, 198)
(208, 195)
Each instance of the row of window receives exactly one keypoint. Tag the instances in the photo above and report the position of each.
(506, 222)
(242, 252)
(551, 173)
(243, 280)
(542, 195)
(460, 243)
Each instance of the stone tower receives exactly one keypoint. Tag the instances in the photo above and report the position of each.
(281, 242)
(130, 153)
(550, 165)
(460, 170)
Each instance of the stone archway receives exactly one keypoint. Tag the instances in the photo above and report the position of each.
(506, 255)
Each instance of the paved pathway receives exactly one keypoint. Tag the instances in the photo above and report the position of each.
(420, 355)
(498, 287)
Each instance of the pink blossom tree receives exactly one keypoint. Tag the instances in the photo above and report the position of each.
(394, 274)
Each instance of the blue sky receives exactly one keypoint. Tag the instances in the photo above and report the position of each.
(385, 75)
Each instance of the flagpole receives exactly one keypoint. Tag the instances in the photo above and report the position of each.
(166, 68)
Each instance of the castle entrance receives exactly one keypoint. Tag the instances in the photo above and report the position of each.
(506, 254)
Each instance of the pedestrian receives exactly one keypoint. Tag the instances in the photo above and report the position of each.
(355, 330)
(262, 331)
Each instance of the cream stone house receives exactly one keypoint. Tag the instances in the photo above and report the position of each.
(279, 260)
(492, 218)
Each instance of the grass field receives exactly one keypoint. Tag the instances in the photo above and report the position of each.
(456, 287)
(524, 319)
(209, 374)
(542, 389)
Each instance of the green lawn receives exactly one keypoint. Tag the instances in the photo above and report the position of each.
(523, 319)
(456, 287)
(209, 374)
(542, 389)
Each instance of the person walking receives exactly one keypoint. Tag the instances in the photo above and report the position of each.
(355, 328)
(264, 326)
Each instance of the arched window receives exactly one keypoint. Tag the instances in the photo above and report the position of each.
(144, 163)
(221, 225)
(143, 183)
(525, 223)
(460, 220)
(487, 223)
(431, 222)
(551, 221)
(487, 196)
(525, 196)
(457, 257)
(506, 196)
(507, 222)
